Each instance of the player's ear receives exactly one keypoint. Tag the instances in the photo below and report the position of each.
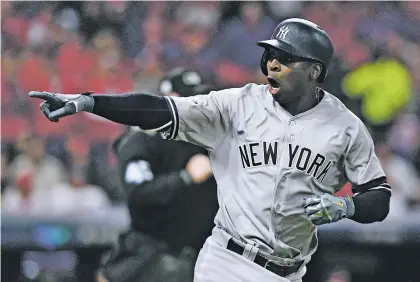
(315, 71)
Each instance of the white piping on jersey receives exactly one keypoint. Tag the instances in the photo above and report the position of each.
(175, 120)
(159, 128)
(375, 188)
(381, 188)
(75, 105)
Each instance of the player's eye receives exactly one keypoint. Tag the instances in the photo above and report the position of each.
(283, 57)
(271, 55)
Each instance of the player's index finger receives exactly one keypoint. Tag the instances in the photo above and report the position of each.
(41, 95)
(51, 98)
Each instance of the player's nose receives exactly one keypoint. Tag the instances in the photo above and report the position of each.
(274, 66)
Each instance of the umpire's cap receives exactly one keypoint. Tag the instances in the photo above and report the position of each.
(184, 82)
(300, 38)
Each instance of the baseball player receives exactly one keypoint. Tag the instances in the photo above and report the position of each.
(278, 153)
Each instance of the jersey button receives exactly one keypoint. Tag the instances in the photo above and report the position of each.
(292, 122)
(277, 208)
(292, 137)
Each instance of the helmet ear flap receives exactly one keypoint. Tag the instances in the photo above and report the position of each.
(264, 60)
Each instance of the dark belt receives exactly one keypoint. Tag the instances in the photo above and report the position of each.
(275, 267)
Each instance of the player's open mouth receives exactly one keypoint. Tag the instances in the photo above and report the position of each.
(274, 85)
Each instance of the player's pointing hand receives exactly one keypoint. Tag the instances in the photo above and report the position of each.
(56, 106)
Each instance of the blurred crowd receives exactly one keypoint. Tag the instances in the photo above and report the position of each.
(119, 46)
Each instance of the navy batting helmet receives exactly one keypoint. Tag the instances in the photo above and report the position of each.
(303, 39)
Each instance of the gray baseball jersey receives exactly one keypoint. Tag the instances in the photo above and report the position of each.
(266, 161)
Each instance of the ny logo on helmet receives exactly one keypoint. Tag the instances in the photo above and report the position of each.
(282, 32)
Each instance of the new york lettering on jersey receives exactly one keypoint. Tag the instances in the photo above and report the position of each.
(266, 153)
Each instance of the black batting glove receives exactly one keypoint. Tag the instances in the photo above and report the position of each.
(58, 105)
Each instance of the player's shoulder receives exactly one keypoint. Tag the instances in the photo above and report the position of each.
(248, 90)
(340, 116)
(337, 110)
(235, 97)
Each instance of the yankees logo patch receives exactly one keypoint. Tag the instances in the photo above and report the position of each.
(282, 32)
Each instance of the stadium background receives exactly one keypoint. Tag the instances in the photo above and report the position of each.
(60, 213)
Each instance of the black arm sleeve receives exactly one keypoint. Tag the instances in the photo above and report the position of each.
(159, 191)
(371, 206)
(135, 109)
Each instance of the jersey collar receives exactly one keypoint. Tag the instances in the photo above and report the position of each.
(276, 109)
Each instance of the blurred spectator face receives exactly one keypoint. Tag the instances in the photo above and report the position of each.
(5, 8)
(110, 59)
(79, 148)
(285, 9)
(331, 12)
(10, 65)
(15, 30)
(196, 20)
(383, 151)
(405, 135)
(413, 9)
(3, 165)
(105, 40)
(333, 8)
(65, 26)
(107, 46)
(152, 29)
(35, 148)
(251, 13)
(22, 141)
(68, 19)
(115, 10)
(194, 39)
(3, 172)
(156, 9)
(416, 73)
(38, 35)
(395, 44)
(200, 14)
(92, 9)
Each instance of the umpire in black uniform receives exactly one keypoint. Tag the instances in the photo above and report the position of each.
(171, 196)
